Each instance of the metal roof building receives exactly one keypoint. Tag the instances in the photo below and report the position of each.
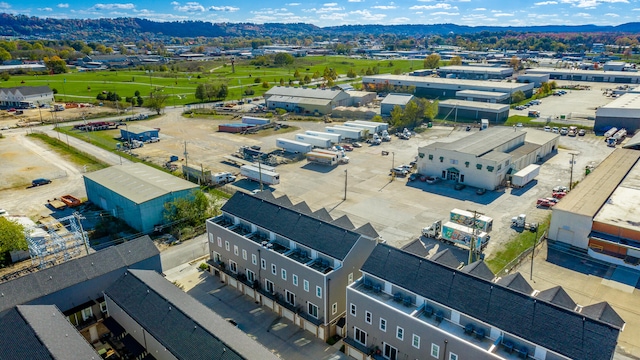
(475, 72)
(135, 193)
(599, 215)
(623, 112)
(625, 77)
(462, 110)
(482, 96)
(433, 87)
(392, 100)
(305, 100)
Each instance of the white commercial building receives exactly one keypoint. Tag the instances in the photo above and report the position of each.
(486, 158)
(24, 96)
(623, 112)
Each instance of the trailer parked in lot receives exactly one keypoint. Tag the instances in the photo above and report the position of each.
(293, 146)
(369, 128)
(380, 126)
(350, 133)
(335, 138)
(316, 141)
(524, 176)
(322, 158)
(340, 155)
(456, 234)
(255, 120)
(466, 218)
(260, 174)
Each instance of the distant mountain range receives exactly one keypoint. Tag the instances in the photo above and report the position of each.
(134, 28)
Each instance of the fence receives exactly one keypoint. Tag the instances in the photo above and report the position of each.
(513, 264)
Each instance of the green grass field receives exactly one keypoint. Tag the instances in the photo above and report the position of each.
(70, 153)
(180, 86)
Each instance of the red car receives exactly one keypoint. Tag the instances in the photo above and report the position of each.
(559, 194)
(11, 110)
(545, 203)
(347, 147)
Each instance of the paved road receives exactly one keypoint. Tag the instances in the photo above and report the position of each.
(185, 252)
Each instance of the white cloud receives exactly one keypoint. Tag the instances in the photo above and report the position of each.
(442, 6)
(384, 7)
(330, 4)
(356, 0)
(366, 15)
(582, 15)
(542, 3)
(480, 9)
(188, 7)
(400, 20)
(63, 5)
(4, 5)
(127, 6)
(224, 8)
(502, 14)
(328, 9)
(591, 3)
(293, 4)
(612, 15)
(45, 9)
(444, 13)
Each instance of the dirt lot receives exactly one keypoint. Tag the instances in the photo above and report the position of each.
(46, 115)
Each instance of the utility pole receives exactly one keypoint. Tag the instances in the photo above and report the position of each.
(474, 237)
(260, 173)
(84, 239)
(345, 184)
(186, 160)
(571, 176)
(533, 251)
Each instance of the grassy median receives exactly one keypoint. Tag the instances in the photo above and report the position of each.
(70, 153)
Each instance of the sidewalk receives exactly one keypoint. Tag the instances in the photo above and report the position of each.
(275, 333)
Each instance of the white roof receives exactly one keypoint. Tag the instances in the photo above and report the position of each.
(627, 105)
(445, 83)
(474, 105)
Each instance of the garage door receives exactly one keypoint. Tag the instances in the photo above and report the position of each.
(565, 236)
(355, 353)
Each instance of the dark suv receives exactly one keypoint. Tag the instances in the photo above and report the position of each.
(40, 181)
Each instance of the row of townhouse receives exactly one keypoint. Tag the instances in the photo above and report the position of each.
(329, 277)
(296, 262)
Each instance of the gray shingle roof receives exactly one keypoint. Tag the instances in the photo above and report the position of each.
(567, 332)
(44, 282)
(479, 269)
(323, 215)
(604, 312)
(302, 207)
(558, 296)
(184, 326)
(307, 230)
(368, 230)
(516, 282)
(445, 257)
(38, 332)
(344, 222)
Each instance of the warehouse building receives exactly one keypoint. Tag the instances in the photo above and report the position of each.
(623, 112)
(599, 216)
(392, 100)
(24, 97)
(486, 159)
(303, 100)
(441, 88)
(138, 132)
(361, 98)
(136, 193)
(483, 96)
(535, 79)
(625, 77)
(475, 72)
(462, 110)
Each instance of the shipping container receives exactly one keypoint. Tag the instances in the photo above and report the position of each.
(316, 141)
(260, 174)
(369, 128)
(346, 132)
(255, 120)
(524, 176)
(322, 158)
(380, 126)
(335, 138)
(293, 146)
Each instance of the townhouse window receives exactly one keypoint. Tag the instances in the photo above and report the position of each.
(295, 279)
(415, 341)
(441, 158)
(350, 278)
(103, 307)
(306, 285)
(383, 324)
(274, 270)
(244, 254)
(490, 168)
(87, 313)
(235, 250)
(217, 257)
(400, 333)
(430, 156)
(334, 308)
(263, 264)
(283, 273)
(435, 351)
(367, 317)
(453, 161)
(479, 166)
(499, 167)
(219, 242)
(291, 297)
(254, 259)
(226, 245)
(268, 285)
(251, 276)
(312, 309)
(360, 336)
(389, 352)
(453, 356)
(319, 292)
(211, 238)
(233, 266)
(352, 309)
(466, 164)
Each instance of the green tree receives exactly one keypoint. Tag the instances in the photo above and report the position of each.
(456, 60)
(4, 55)
(191, 211)
(139, 100)
(352, 74)
(201, 93)
(432, 61)
(306, 79)
(296, 74)
(283, 59)
(518, 96)
(397, 117)
(377, 118)
(157, 101)
(265, 85)
(11, 238)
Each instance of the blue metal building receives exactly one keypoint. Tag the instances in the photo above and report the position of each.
(138, 132)
(136, 193)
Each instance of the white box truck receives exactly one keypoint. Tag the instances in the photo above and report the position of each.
(369, 128)
(380, 126)
(335, 138)
(255, 120)
(464, 217)
(293, 146)
(346, 132)
(221, 178)
(462, 235)
(322, 158)
(524, 176)
(257, 174)
(314, 140)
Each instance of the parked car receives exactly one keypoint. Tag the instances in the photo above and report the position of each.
(545, 203)
(547, 128)
(347, 147)
(558, 194)
(572, 133)
(555, 129)
(560, 188)
(414, 176)
(40, 181)
(399, 171)
(356, 145)
(582, 132)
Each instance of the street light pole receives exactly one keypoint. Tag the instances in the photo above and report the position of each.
(571, 176)
(345, 184)
(533, 251)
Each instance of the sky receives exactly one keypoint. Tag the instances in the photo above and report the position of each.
(346, 12)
